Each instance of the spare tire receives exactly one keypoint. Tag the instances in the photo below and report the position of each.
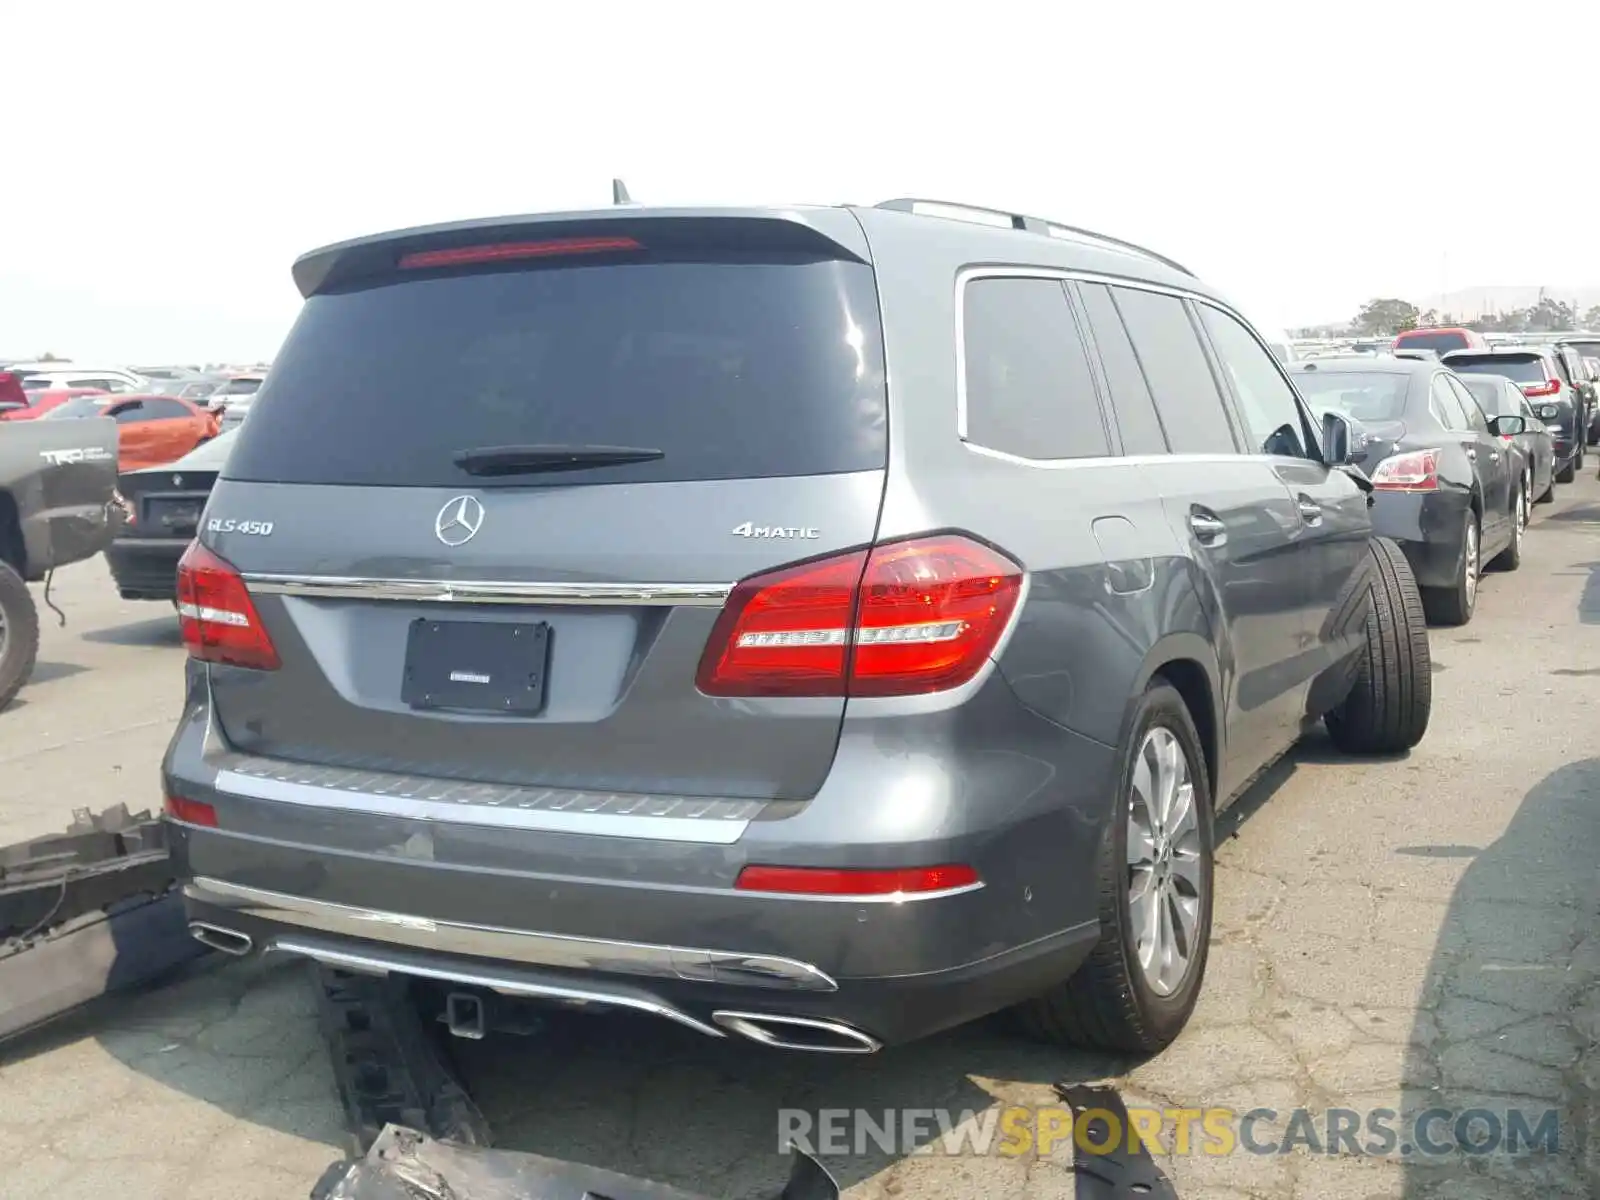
(1388, 706)
(19, 634)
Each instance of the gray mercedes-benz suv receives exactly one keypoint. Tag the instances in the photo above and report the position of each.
(821, 626)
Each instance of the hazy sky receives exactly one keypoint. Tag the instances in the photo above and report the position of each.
(168, 161)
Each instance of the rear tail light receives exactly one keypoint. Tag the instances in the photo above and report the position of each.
(513, 251)
(901, 619)
(191, 812)
(218, 621)
(1417, 471)
(1549, 387)
(828, 881)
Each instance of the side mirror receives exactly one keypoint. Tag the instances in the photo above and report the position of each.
(1508, 426)
(1338, 439)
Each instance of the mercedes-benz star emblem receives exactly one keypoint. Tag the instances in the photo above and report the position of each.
(458, 521)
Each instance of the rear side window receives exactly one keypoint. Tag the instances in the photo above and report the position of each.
(1266, 401)
(1130, 394)
(1523, 368)
(730, 370)
(1180, 378)
(1447, 406)
(1030, 389)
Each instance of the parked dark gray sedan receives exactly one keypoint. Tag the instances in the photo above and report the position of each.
(1498, 396)
(1448, 489)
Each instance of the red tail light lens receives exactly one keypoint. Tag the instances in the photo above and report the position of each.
(191, 812)
(905, 618)
(825, 881)
(512, 251)
(218, 621)
(1417, 471)
(1549, 387)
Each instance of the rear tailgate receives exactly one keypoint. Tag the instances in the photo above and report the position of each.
(60, 475)
(544, 628)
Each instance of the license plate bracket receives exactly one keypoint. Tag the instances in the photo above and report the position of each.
(476, 666)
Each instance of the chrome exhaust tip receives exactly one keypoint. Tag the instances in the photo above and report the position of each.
(227, 941)
(797, 1033)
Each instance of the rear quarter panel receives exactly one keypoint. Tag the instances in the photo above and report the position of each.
(56, 481)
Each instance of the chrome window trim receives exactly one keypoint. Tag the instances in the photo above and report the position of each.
(1000, 271)
(528, 948)
(473, 591)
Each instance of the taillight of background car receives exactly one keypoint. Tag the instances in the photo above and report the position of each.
(1416, 471)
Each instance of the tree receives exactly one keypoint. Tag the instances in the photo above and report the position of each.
(1386, 316)
(1591, 319)
(1550, 315)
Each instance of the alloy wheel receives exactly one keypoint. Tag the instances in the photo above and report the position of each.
(1164, 868)
(1469, 568)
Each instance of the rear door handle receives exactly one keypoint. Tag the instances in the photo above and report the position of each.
(1310, 510)
(1208, 528)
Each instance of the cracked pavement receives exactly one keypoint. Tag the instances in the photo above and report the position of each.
(1407, 934)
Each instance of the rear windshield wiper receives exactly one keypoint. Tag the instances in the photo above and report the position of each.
(532, 460)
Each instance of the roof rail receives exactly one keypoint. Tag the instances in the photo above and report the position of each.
(1039, 225)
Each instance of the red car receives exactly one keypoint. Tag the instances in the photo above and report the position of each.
(151, 430)
(36, 404)
(1441, 340)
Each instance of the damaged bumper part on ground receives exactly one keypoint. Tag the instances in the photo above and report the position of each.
(86, 913)
(406, 1165)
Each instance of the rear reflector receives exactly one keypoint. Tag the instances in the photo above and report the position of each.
(218, 622)
(904, 618)
(825, 881)
(511, 251)
(191, 812)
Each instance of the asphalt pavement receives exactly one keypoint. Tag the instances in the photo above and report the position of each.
(1413, 935)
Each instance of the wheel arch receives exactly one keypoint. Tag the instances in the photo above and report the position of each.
(13, 551)
(1187, 663)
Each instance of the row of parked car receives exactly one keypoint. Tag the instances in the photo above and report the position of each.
(62, 391)
(1459, 446)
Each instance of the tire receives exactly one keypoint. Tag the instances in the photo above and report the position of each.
(1111, 1003)
(1391, 700)
(1510, 558)
(19, 634)
(1454, 605)
(1568, 471)
(1549, 493)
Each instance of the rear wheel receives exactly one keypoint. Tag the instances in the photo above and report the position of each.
(1567, 471)
(1510, 558)
(19, 634)
(1549, 493)
(1453, 605)
(1138, 986)
(1388, 707)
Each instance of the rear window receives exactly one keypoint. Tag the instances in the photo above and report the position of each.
(1491, 395)
(1519, 368)
(1364, 395)
(81, 406)
(1431, 340)
(35, 384)
(742, 369)
(239, 387)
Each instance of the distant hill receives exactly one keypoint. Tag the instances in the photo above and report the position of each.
(1481, 301)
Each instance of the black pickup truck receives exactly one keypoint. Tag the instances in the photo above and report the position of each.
(57, 481)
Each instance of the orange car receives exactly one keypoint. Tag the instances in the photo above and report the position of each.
(153, 430)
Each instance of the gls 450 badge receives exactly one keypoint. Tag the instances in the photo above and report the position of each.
(750, 530)
(229, 525)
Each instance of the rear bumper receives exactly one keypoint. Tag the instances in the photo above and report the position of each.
(567, 898)
(146, 568)
(1428, 528)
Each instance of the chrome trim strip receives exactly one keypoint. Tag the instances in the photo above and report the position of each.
(754, 1026)
(504, 808)
(512, 945)
(506, 985)
(473, 591)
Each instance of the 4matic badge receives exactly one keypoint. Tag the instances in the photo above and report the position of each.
(750, 530)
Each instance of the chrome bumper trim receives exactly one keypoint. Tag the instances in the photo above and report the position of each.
(505, 984)
(475, 591)
(708, 821)
(514, 946)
